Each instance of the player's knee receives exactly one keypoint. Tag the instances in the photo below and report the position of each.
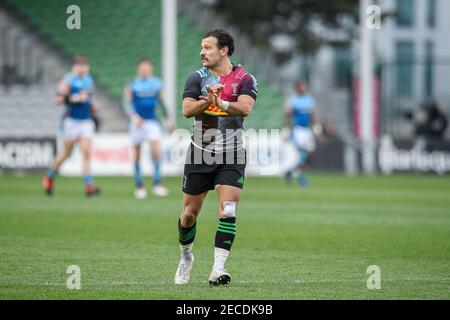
(189, 215)
(229, 209)
(66, 154)
(155, 157)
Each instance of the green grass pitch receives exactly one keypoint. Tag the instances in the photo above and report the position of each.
(291, 243)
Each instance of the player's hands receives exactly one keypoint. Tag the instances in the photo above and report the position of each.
(213, 94)
(169, 127)
(211, 97)
(285, 134)
(94, 107)
(317, 129)
(81, 97)
(137, 120)
(84, 96)
(218, 88)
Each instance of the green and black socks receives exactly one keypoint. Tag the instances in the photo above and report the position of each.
(186, 235)
(226, 231)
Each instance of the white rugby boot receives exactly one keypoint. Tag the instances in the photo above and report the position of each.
(219, 277)
(184, 268)
(160, 191)
(140, 193)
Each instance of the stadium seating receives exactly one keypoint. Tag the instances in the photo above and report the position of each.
(33, 109)
(115, 36)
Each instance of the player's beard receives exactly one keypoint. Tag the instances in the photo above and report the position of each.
(205, 62)
(208, 64)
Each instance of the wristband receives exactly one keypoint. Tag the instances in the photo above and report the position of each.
(224, 105)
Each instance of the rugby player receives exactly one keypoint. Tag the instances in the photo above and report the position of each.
(141, 98)
(219, 96)
(75, 92)
(299, 115)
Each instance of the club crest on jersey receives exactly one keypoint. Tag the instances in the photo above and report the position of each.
(234, 86)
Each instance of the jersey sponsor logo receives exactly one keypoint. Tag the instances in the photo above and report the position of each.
(215, 111)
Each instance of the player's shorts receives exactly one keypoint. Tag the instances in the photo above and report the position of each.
(303, 138)
(74, 129)
(202, 173)
(149, 131)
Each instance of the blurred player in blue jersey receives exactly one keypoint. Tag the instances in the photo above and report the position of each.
(299, 115)
(75, 92)
(141, 98)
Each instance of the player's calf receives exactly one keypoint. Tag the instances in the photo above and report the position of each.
(186, 237)
(226, 232)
